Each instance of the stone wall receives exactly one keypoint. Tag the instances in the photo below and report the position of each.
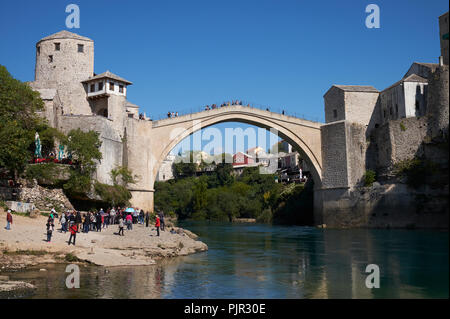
(343, 154)
(66, 71)
(334, 155)
(44, 198)
(356, 152)
(438, 103)
(334, 101)
(344, 202)
(385, 206)
(443, 29)
(398, 140)
(360, 107)
(111, 138)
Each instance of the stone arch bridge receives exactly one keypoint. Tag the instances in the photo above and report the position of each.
(148, 143)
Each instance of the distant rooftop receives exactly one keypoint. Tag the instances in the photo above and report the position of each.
(411, 78)
(65, 35)
(353, 88)
(430, 65)
(108, 75)
(357, 88)
(129, 104)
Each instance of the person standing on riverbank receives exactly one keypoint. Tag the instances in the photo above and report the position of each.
(78, 220)
(49, 229)
(9, 220)
(121, 225)
(147, 219)
(73, 233)
(161, 220)
(87, 219)
(157, 225)
(141, 217)
(63, 222)
(129, 220)
(98, 219)
(112, 216)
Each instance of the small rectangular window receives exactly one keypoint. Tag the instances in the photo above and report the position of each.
(111, 86)
(39, 50)
(92, 87)
(81, 48)
(50, 58)
(335, 113)
(120, 88)
(100, 86)
(57, 46)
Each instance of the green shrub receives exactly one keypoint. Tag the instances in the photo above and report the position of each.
(3, 205)
(123, 176)
(41, 172)
(71, 258)
(113, 195)
(369, 177)
(266, 216)
(402, 126)
(415, 170)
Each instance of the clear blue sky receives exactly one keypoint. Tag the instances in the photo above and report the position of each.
(182, 55)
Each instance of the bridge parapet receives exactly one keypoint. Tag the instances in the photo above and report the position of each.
(233, 109)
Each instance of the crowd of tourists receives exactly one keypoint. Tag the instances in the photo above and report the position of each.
(216, 106)
(76, 222)
(224, 104)
(172, 114)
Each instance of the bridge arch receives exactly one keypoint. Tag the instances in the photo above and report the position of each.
(165, 134)
(284, 132)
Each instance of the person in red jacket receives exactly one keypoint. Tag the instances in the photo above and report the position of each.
(157, 224)
(73, 232)
(9, 220)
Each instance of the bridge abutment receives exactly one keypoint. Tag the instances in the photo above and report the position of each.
(143, 199)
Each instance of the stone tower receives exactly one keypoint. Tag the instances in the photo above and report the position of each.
(63, 61)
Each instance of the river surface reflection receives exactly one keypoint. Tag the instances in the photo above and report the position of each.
(263, 261)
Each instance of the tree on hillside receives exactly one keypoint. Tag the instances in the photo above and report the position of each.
(85, 150)
(19, 121)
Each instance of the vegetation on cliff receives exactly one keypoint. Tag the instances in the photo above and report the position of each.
(221, 196)
(118, 193)
(20, 119)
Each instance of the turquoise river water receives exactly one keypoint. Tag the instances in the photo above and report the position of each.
(264, 261)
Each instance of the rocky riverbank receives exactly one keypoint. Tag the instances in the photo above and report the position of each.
(13, 289)
(25, 245)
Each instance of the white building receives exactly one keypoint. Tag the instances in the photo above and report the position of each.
(406, 98)
(165, 172)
